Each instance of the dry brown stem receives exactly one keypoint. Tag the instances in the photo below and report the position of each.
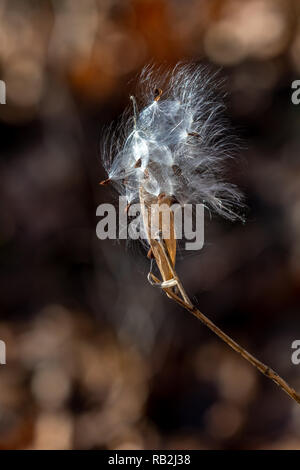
(185, 302)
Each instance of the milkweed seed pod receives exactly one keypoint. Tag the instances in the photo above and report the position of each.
(171, 147)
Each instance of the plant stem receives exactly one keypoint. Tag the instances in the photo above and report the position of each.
(186, 303)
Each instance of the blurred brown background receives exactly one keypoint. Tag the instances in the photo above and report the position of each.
(97, 358)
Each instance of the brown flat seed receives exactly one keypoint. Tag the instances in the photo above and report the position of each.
(177, 170)
(157, 94)
(105, 182)
(150, 254)
(193, 134)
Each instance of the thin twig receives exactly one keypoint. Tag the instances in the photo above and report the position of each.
(264, 369)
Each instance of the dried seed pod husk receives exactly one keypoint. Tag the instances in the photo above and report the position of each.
(149, 206)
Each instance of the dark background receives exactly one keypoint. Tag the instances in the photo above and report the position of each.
(97, 358)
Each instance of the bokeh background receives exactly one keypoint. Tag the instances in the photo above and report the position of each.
(97, 358)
